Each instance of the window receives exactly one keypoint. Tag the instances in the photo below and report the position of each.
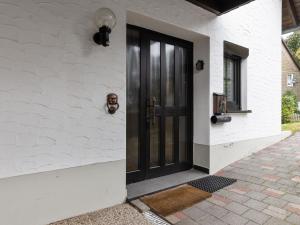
(290, 80)
(232, 81)
(235, 76)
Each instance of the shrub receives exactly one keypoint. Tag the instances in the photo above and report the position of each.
(293, 42)
(289, 106)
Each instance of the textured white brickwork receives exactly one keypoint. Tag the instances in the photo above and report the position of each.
(54, 79)
(53, 86)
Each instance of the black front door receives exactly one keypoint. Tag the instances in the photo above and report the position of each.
(159, 104)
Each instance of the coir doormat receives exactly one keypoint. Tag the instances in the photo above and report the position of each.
(173, 200)
(212, 184)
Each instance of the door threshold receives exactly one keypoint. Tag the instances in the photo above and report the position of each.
(146, 187)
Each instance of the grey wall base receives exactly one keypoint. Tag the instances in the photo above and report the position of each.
(41, 198)
(216, 157)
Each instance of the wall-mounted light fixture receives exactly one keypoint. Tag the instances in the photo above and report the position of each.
(105, 20)
(200, 65)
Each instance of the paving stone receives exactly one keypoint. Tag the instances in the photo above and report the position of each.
(273, 192)
(187, 222)
(296, 179)
(276, 212)
(216, 211)
(295, 208)
(287, 182)
(210, 220)
(267, 167)
(284, 175)
(275, 202)
(256, 187)
(180, 215)
(256, 195)
(219, 200)
(254, 204)
(203, 205)
(251, 223)
(223, 192)
(237, 208)
(275, 221)
(239, 190)
(291, 198)
(234, 219)
(256, 216)
(294, 219)
(194, 213)
(254, 180)
(297, 173)
(172, 219)
(271, 177)
(284, 170)
(238, 198)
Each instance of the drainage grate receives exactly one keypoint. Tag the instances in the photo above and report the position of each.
(154, 219)
(212, 183)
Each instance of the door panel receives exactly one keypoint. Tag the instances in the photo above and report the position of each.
(154, 75)
(170, 74)
(162, 125)
(183, 78)
(154, 142)
(169, 140)
(133, 100)
(182, 139)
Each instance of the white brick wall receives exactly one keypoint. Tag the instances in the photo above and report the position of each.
(54, 79)
(54, 82)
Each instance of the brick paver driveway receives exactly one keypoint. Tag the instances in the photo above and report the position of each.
(267, 191)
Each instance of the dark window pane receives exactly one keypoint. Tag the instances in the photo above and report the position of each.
(154, 142)
(170, 74)
(183, 74)
(133, 99)
(169, 140)
(229, 80)
(232, 84)
(182, 139)
(155, 71)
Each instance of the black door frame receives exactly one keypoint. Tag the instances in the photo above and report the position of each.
(144, 156)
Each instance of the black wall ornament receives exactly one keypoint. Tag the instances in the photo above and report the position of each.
(200, 65)
(112, 103)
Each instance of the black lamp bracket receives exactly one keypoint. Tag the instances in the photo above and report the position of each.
(102, 37)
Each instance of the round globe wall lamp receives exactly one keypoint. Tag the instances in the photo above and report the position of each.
(105, 20)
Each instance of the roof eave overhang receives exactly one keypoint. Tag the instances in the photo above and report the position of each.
(290, 10)
(291, 29)
(219, 7)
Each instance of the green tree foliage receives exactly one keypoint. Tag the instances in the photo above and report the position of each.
(293, 42)
(297, 55)
(289, 106)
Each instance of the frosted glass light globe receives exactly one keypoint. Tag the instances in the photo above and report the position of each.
(105, 17)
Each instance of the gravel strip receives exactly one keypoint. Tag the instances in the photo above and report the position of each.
(118, 215)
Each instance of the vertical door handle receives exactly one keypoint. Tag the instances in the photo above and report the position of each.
(151, 109)
(153, 104)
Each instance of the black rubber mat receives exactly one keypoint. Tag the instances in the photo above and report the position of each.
(212, 184)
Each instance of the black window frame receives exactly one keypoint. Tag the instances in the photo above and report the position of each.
(234, 105)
